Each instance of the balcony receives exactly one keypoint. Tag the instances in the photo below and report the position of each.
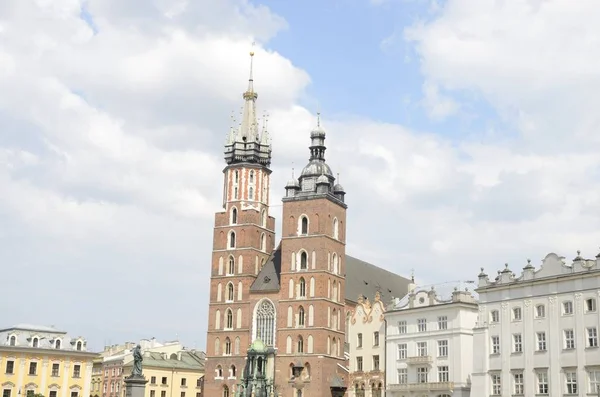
(429, 386)
(416, 360)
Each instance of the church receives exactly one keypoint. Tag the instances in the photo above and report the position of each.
(278, 311)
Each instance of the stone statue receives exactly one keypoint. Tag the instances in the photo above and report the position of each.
(136, 370)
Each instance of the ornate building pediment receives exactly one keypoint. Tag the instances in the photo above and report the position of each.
(54, 386)
(8, 384)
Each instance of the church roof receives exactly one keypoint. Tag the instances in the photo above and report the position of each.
(362, 278)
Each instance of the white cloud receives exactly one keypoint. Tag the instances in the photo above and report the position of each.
(110, 152)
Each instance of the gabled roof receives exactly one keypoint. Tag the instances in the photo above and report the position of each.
(362, 278)
(269, 276)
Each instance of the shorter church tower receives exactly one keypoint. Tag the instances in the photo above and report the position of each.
(310, 332)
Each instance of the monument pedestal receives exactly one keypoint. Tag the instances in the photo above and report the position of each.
(135, 386)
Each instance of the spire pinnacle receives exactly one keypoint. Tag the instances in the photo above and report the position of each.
(250, 94)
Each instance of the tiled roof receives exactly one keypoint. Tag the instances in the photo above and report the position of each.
(189, 360)
(361, 278)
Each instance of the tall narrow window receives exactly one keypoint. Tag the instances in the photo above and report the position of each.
(57, 344)
(232, 239)
(263, 216)
(229, 323)
(227, 346)
(234, 216)
(335, 228)
(13, 340)
(300, 348)
(225, 391)
(35, 342)
(230, 292)
(303, 260)
(250, 193)
(231, 267)
(540, 311)
(302, 287)
(304, 225)
(79, 345)
(263, 242)
(301, 317)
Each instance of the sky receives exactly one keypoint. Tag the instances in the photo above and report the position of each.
(465, 134)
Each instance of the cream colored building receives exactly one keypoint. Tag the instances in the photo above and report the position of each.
(366, 340)
(43, 360)
(179, 374)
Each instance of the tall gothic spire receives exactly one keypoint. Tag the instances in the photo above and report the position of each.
(248, 143)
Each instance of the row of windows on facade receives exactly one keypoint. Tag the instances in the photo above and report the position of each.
(33, 369)
(299, 290)
(231, 265)
(114, 372)
(570, 384)
(299, 320)
(163, 393)
(31, 393)
(35, 342)
(423, 374)
(303, 227)
(115, 385)
(375, 364)
(540, 310)
(376, 389)
(568, 341)
(359, 339)
(442, 323)
(234, 217)
(333, 346)
(251, 185)
(422, 349)
(232, 243)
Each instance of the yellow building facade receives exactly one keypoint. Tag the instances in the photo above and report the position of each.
(43, 360)
(178, 374)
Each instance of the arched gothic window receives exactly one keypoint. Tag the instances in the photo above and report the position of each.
(234, 216)
(304, 225)
(302, 287)
(236, 346)
(232, 371)
(301, 317)
(231, 267)
(225, 391)
(227, 346)
(263, 242)
(229, 323)
(251, 193)
(230, 292)
(219, 372)
(264, 322)
(251, 176)
(303, 260)
(264, 218)
(300, 347)
(232, 239)
(335, 228)
(236, 176)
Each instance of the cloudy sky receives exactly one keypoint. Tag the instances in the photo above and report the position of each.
(466, 134)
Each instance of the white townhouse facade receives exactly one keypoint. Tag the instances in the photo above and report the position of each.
(537, 333)
(429, 345)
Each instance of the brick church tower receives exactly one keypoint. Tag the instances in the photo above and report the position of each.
(243, 240)
(310, 336)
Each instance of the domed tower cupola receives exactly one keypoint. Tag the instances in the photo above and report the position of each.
(323, 185)
(316, 178)
(292, 186)
(338, 190)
